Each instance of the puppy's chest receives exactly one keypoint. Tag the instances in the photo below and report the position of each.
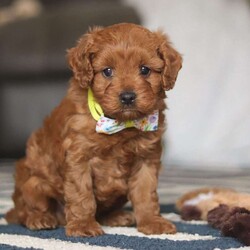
(111, 171)
(116, 160)
(110, 178)
(126, 145)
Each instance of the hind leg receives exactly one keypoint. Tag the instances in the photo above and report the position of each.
(39, 208)
(35, 201)
(114, 215)
(118, 218)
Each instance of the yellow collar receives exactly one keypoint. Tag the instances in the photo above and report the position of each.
(94, 107)
(96, 110)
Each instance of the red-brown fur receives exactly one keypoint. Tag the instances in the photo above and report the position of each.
(72, 175)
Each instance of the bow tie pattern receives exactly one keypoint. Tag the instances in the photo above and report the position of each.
(110, 126)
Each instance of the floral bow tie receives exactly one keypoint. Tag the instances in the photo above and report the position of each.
(109, 126)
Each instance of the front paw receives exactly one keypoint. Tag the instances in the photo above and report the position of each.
(89, 228)
(157, 225)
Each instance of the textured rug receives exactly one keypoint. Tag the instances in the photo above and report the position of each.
(191, 235)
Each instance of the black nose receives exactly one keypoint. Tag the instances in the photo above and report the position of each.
(127, 98)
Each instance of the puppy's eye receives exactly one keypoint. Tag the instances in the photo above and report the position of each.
(145, 71)
(108, 72)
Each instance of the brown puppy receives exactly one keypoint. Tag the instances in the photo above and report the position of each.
(74, 176)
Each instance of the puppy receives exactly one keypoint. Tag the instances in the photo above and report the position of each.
(102, 145)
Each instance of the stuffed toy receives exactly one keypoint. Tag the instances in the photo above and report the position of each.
(224, 209)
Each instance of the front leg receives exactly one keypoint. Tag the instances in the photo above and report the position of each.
(144, 198)
(80, 207)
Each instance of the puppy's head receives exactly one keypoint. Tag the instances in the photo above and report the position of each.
(127, 67)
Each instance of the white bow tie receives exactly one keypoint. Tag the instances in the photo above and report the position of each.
(110, 126)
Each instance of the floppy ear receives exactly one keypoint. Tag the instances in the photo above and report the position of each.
(79, 58)
(172, 62)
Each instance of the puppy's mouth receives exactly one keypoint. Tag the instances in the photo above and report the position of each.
(126, 114)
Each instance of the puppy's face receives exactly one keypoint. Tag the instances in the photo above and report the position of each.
(127, 67)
